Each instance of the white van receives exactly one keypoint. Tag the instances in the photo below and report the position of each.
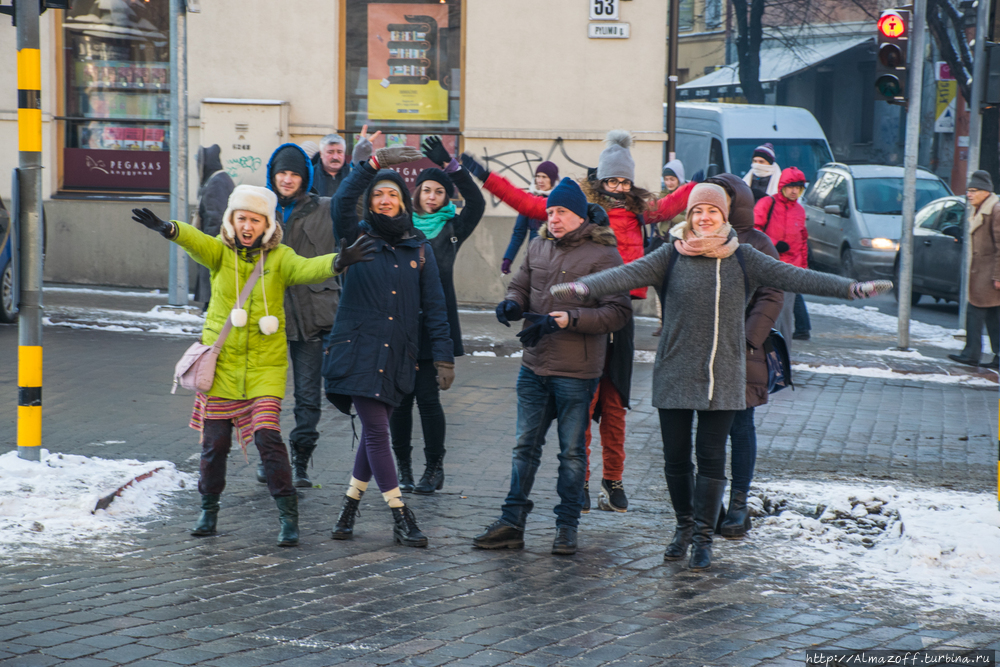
(726, 134)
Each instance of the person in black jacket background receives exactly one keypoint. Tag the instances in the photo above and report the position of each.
(370, 360)
(213, 198)
(435, 216)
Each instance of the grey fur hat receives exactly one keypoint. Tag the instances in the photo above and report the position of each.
(616, 160)
(981, 180)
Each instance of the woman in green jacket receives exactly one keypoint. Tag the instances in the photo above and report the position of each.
(252, 368)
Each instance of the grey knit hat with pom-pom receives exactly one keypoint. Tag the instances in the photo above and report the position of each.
(616, 160)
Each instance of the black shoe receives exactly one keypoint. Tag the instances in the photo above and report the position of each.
(404, 467)
(681, 489)
(565, 542)
(405, 530)
(995, 364)
(707, 501)
(209, 515)
(499, 535)
(288, 517)
(344, 530)
(963, 360)
(585, 506)
(611, 497)
(433, 478)
(800, 335)
(737, 521)
(301, 455)
(261, 474)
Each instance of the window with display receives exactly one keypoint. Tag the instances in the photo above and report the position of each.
(402, 71)
(117, 96)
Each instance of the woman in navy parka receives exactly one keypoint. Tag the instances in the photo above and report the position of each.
(371, 353)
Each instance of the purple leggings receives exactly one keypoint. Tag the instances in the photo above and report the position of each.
(375, 449)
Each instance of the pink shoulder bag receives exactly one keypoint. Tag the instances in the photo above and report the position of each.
(196, 369)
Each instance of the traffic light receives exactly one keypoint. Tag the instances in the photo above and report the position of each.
(891, 60)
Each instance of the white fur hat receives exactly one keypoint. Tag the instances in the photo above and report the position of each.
(256, 200)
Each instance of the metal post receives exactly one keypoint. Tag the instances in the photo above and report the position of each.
(178, 287)
(672, 79)
(29, 131)
(975, 137)
(910, 154)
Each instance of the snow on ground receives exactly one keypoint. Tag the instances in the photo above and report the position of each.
(49, 504)
(912, 355)
(920, 332)
(160, 320)
(936, 544)
(156, 294)
(885, 373)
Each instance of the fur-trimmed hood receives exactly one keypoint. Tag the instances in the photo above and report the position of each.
(256, 200)
(632, 203)
(588, 231)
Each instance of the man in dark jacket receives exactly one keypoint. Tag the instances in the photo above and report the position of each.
(762, 312)
(330, 165)
(564, 351)
(309, 309)
(213, 197)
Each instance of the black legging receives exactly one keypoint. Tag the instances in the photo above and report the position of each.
(710, 442)
(431, 415)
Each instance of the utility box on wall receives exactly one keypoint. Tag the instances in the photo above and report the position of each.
(247, 131)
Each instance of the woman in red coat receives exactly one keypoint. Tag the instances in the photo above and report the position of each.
(628, 207)
(783, 219)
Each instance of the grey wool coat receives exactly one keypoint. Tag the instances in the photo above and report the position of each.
(701, 359)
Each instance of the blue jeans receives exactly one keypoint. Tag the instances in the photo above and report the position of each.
(743, 436)
(307, 379)
(802, 323)
(540, 399)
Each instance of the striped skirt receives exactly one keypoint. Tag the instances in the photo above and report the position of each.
(248, 416)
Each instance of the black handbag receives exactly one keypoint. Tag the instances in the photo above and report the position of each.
(779, 366)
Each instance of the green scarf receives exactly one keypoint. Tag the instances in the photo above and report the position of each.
(432, 223)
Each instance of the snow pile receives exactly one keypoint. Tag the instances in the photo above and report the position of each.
(159, 320)
(888, 374)
(934, 543)
(927, 334)
(50, 504)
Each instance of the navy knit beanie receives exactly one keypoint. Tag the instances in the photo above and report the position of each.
(290, 158)
(568, 195)
(438, 176)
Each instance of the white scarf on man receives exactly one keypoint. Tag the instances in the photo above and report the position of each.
(985, 209)
(763, 171)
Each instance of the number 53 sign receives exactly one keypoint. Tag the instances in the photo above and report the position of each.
(604, 10)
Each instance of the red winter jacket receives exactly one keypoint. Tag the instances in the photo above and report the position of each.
(787, 222)
(624, 223)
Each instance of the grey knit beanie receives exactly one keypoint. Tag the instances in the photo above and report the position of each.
(615, 160)
(981, 180)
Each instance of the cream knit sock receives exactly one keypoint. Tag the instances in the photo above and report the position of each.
(356, 489)
(394, 497)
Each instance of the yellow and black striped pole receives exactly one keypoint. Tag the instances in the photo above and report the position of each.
(29, 134)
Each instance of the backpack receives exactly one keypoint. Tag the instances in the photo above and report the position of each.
(779, 366)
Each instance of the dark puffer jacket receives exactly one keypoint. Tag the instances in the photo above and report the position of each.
(765, 303)
(213, 198)
(579, 350)
(372, 350)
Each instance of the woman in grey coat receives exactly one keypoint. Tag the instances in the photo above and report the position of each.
(707, 278)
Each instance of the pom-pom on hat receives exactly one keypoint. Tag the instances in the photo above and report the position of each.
(765, 151)
(568, 195)
(616, 160)
(708, 193)
(254, 199)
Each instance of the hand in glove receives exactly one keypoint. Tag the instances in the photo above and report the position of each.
(508, 311)
(386, 157)
(570, 290)
(146, 217)
(869, 289)
(542, 326)
(363, 250)
(698, 176)
(782, 247)
(446, 374)
(363, 149)
(505, 266)
(473, 167)
(435, 151)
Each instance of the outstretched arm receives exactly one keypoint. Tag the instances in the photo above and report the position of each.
(519, 200)
(648, 270)
(669, 206)
(475, 204)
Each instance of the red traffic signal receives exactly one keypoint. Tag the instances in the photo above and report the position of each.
(892, 24)
(891, 59)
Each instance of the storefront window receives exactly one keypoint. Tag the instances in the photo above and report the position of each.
(117, 85)
(403, 70)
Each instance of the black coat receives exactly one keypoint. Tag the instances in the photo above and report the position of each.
(446, 245)
(372, 349)
(213, 199)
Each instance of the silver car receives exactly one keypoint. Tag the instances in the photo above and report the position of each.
(854, 217)
(937, 250)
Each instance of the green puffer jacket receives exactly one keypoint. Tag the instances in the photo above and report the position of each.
(250, 364)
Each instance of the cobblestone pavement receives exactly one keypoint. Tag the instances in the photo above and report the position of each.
(161, 597)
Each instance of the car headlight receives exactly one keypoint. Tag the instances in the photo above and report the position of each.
(880, 244)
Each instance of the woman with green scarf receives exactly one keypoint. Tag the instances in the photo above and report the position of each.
(436, 217)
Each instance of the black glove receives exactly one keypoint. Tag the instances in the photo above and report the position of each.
(698, 176)
(542, 326)
(474, 168)
(782, 247)
(146, 217)
(362, 150)
(508, 311)
(363, 250)
(435, 151)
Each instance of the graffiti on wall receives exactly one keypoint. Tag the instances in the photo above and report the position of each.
(519, 165)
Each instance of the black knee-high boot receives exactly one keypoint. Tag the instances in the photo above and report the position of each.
(681, 489)
(707, 503)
